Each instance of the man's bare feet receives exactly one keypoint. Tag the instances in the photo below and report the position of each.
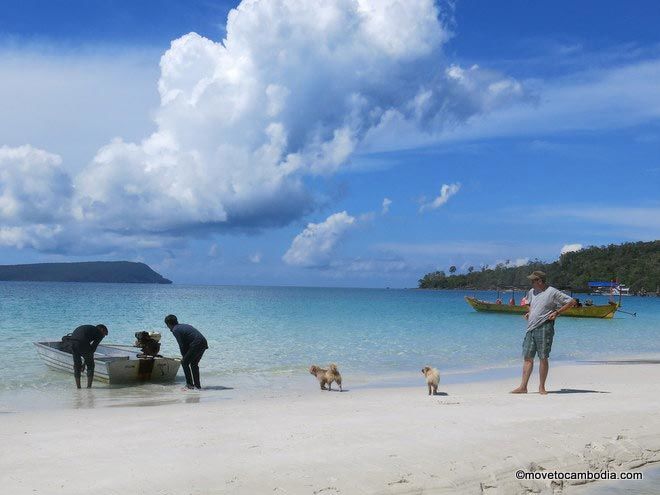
(543, 391)
(519, 390)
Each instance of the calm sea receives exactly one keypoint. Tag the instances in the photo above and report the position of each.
(282, 330)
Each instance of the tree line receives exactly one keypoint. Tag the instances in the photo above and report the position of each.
(635, 264)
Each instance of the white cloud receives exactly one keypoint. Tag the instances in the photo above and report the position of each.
(446, 192)
(386, 206)
(315, 245)
(569, 248)
(35, 198)
(242, 122)
(214, 250)
(255, 258)
(612, 98)
(34, 188)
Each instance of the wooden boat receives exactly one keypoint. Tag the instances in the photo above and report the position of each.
(600, 311)
(113, 364)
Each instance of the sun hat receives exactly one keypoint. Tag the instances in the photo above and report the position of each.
(537, 275)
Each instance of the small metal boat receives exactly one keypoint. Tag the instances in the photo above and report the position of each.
(114, 364)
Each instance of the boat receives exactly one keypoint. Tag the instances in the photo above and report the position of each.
(612, 289)
(593, 311)
(113, 364)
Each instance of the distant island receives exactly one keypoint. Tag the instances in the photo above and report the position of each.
(125, 272)
(635, 264)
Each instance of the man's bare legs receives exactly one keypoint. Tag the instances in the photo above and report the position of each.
(544, 366)
(528, 366)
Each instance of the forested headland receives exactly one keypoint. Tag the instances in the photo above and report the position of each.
(635, 264)
(89, 271)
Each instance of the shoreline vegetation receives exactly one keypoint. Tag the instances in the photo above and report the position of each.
(126, 272)
(636, 265)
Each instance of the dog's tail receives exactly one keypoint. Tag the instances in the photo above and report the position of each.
(333, 367)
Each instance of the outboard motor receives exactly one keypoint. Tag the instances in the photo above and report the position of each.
(149, 343)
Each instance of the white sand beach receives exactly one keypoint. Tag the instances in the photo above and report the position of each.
(364, 440)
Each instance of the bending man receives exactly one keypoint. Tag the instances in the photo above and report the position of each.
(192, 345)
(545, 305)
(84, 341)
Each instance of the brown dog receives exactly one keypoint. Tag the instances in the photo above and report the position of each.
(326, 376)
(432, 379)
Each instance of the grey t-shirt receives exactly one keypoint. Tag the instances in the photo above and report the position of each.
(542, 303)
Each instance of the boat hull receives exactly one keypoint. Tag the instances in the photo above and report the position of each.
(601, 311)
(113, 365)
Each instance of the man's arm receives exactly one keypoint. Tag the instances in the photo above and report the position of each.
(182, 347)
(559, 311)
(96, 342)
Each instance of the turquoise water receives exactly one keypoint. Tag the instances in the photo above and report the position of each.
(282, 330)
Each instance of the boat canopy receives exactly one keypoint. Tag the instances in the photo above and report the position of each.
(603, 284)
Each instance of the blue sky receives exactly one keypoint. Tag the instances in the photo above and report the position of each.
(342, 143)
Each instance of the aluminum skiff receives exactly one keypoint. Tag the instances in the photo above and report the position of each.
(113, 365)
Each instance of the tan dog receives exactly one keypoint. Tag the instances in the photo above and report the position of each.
(326, 376)
(432, 379)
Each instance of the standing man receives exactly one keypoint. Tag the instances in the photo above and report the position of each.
(192, 345)
(84, 341)
(545, 305)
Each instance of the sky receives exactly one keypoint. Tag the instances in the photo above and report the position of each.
(355, 143)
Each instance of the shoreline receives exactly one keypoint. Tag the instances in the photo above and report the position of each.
(62, 395)
(471, 439)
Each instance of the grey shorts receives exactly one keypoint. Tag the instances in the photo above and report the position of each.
(539, 340)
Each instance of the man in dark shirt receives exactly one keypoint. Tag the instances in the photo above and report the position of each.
(192, 345)
(84, 341)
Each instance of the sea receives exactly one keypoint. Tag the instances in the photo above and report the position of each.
(272, 335)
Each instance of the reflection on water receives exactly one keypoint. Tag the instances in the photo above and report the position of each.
(69, 397)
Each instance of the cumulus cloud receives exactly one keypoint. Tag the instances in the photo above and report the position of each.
(255, 258)
(315, 245)
(295, 89)
(569, 248)
(386, 206)
(446, 192)
(35, 198)
(34, 188)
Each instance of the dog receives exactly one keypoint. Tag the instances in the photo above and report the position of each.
(148, 344)
(432, 379)
(326, 376)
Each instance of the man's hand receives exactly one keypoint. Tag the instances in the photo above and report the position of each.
(526, 316)
(553, 315)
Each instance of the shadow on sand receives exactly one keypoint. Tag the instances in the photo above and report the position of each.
(444, 394)
(217, 387)
(576, 391)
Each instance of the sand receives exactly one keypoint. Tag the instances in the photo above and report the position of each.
(364, 440)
